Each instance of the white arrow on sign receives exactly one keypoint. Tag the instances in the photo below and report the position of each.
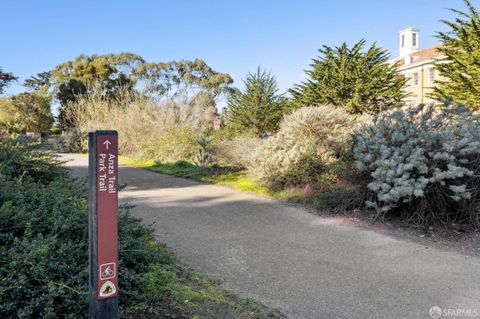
(107, 143)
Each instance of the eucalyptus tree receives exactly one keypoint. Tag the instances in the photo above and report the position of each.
(110, 74)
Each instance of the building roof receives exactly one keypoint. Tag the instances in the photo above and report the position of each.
(420, 55)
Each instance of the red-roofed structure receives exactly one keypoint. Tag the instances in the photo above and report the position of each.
(417, 65)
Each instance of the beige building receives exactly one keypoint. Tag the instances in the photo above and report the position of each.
(417, 66)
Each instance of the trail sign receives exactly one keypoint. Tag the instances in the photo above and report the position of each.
(103, 224)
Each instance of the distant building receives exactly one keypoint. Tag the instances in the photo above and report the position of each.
(417, 66)
(216, 124)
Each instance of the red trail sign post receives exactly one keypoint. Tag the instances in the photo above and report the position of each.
(103, 224)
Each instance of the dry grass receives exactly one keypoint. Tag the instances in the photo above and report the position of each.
(147, 129)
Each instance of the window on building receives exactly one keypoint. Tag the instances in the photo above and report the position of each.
(414, 39)
(431, 76)
(415, 79)
(403, 40)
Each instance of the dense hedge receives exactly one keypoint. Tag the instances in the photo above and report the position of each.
(43, 242)
(44, 259)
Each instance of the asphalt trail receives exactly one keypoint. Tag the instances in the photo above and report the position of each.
(287, 258)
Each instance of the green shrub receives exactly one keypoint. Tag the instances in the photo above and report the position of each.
(23, 161)
(424, 162)
(310, 145)
(44, 241)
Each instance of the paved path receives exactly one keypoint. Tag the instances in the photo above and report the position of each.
(289, 259)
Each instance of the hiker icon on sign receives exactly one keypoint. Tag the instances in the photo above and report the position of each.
(107, 271)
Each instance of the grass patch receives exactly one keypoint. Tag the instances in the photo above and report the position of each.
(224, 176)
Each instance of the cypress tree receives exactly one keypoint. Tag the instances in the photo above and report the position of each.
(360, 81)
(259, 107)
(460, 66)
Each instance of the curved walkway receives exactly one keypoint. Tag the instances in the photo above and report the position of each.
(289, 259)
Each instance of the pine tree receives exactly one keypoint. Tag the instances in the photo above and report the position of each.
(5, 79)
(259, 107)
(460, 67)
(351, 78)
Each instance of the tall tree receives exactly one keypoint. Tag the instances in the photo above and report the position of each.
(177, 78)
(66, 94)
(360, 81)
(259, 107)
(104, 74)
(26, 112)
(5, 79)
(38, 83)
(108, 74)
(460, 67)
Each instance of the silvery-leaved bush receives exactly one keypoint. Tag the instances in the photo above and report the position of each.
(424, 160)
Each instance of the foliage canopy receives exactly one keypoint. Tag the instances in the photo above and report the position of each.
(5, 79)
(360, 81)
(460, 66)
(259, 107)
(26, 112)
(108, 74)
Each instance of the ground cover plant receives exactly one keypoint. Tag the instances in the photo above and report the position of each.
(44, 259)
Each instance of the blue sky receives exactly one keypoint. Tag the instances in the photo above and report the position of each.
(231, 36)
